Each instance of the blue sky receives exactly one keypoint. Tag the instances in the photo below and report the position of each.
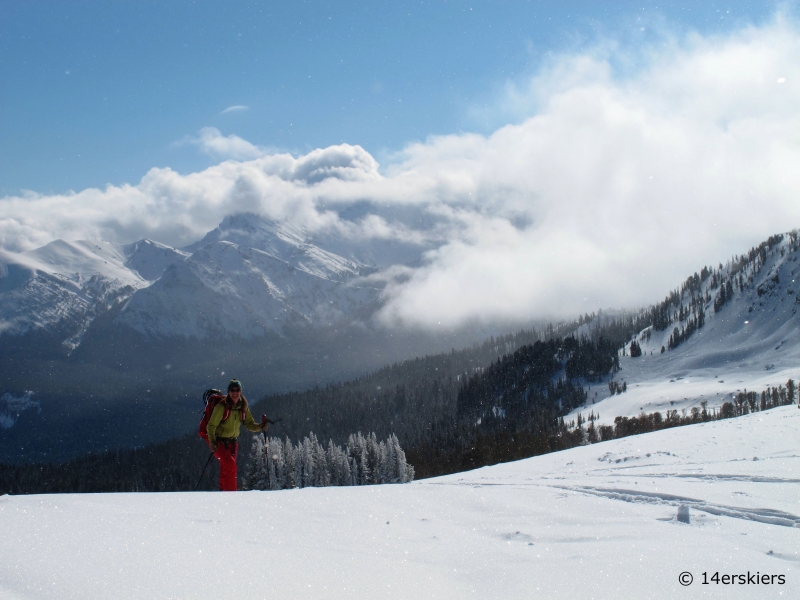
(99, 92)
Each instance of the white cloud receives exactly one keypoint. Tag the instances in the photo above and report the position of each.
(235, 108)
(610, 193)
(345, 162)
(212, 142)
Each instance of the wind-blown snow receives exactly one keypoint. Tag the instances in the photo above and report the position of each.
(596, 521)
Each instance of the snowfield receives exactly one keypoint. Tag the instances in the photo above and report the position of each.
(596, 521)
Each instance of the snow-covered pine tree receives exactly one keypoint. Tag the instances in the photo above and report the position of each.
(373, 458)
(251, 471)
(391, 461)
(322, 474)
(383, 463)
(338, 465)
(277, 466)
(363, 460)
(280, 464)
(290, 457)
(255, 474)
(307, 460)
(298, 465)
(404, 471)
(271, 478)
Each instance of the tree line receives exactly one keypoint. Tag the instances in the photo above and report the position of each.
(744, 403)
(416, 401)
(277, 464)
(174, 465)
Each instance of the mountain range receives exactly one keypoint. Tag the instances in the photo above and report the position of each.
(248, 277)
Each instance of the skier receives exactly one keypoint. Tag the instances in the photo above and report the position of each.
(223, 434)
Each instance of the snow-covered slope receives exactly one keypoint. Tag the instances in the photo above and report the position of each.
(596, 521)
(62, 285)
(150, 259)
(751, 342)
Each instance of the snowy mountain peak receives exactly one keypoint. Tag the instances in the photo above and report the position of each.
(283, 241)
(254, 231)
(225, 288)
(150, 259)
(80, 261)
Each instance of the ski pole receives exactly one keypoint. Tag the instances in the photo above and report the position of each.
(204, 471)
(264, 421)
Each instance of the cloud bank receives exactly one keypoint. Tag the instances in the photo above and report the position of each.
(610, 193)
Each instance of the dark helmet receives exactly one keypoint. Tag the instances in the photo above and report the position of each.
(234, 384)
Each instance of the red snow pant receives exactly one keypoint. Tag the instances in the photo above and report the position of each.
(226, 455)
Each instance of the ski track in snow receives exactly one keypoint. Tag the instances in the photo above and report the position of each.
(765, 515)
(584, 522)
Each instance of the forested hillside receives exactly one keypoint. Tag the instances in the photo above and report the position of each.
(685, 309)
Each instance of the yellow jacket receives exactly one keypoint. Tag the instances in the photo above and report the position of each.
(229, 428)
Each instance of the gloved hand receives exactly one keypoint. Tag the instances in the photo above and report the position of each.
(264, 426)
(213, 446)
